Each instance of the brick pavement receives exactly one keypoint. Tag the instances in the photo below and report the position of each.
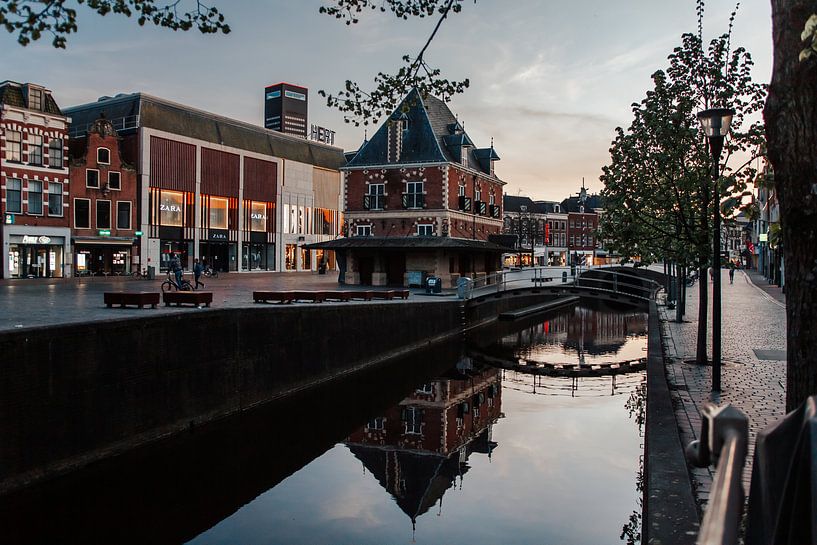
(752, 319)
(37, 303)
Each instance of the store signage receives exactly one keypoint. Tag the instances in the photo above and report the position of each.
(322, 134)
(170, 208)
(764, 237)
(30, 239)
(9, 219)
(104, 232)
(218, 236)
(138, 233)
(258, 216)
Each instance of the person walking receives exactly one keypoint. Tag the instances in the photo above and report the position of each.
(198, 268)
(176, 268)
(732, 273)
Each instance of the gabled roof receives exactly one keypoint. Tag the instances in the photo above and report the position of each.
(14, 94)
(142, 110)
(433, 135)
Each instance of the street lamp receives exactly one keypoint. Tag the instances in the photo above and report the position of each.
(715, 124)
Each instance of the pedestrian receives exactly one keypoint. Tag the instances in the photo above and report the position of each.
(732, 274)
(198, 268)
(176, 267)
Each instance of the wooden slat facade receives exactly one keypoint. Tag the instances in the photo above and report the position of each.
(172, 165)
(219, 173)
(260, 179)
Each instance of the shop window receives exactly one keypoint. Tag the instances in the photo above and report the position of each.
(170, 209)
(123, 216)
(218, 213)
(91, 178)
(306, 259)
(301, 220)
(114, 180)
(258, 216)
(425, 229)
(285, 218)
(54, 199)
(55, 153)
(82, 213)
(35, 197)
(14, 146)
(103, 214)
(103, 156)
(324, 221)
(14, 195)
(35, 149)
(290, 257)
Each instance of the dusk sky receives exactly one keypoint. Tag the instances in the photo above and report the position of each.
(550, 80)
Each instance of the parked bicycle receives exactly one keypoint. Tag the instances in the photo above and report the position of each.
(170, 284)
(691, 278)
(210, 272)
(140, 274)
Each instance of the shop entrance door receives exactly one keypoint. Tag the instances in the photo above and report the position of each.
(365, 266)
(395, 274)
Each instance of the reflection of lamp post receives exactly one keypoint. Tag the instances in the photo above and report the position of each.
(715, 124)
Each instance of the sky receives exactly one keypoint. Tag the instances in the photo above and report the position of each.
(550, 80)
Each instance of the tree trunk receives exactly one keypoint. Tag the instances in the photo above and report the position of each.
(791, 131)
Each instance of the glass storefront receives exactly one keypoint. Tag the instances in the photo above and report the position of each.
(221, 256)
(327, 257)
(306, 259)
(35, 260)
(168, 247)
(100, 260)
(258, 257)
(291, 263)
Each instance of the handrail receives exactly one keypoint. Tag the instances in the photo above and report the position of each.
(723, 442)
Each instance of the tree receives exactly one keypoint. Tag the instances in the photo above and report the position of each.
(791, 131)
(31, 19)
(659, 195)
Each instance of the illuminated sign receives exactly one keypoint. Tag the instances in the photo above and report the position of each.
(294, 95)
(30, 239)
(273, 94)
(322, 134)
(170, 209)
(258, 216)
(764, 237)
(138, 233)
(9, 219)
(104, 232)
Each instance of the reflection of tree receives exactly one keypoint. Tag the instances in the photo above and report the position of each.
(636, 405)
(419, 448)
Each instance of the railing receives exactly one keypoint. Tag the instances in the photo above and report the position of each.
(617, 282)
(723, 442)
(119, 123)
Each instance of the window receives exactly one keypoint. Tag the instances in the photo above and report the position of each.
(14, 195)
(426, 388)
(14, 146)
(218, 213)
(376, 423)
(376, 198)
(572, 224)
(123, 215)
(92, 178)
(414, 195)
(425, 230)
(258, 216)
(35, 149)
(363, 231)
(114, 180)
(54, 199)
(170, 209)
(103, 214)
(35, 197)
(493, 199)
(478, 194)
(82, 213)
(35, 99)
(103, 156)
(55, 153)
(413, 418)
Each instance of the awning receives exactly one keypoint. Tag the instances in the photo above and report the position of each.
(105, 241)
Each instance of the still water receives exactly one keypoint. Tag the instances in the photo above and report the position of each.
(436, 449)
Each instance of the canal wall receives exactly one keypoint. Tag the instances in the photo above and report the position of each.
(76, 393)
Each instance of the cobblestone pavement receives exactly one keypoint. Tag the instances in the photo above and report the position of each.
(36, 303)
(752, 319)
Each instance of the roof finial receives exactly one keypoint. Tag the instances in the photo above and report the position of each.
(492, 142)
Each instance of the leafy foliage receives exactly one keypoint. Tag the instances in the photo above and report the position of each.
(31, 19)
(809, 36)
(360, 106)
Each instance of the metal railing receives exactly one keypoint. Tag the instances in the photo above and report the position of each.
(617, 282)
(723, 442)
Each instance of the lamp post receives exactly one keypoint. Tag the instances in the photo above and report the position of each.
(715, 124)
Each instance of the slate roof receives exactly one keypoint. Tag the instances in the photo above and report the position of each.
(513, 203)
(433, 136)
(571, 204)
(13, 94)
(148, 111)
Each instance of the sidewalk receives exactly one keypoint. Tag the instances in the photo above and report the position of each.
(753, 374)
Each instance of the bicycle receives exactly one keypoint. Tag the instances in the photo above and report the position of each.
(210, 272)
(170, 284)
(691, 278)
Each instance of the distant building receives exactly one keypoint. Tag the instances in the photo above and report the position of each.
(583, 245)
(104, 199)
(286, 109)
(34, 184)
(420, 199)
(541, 230)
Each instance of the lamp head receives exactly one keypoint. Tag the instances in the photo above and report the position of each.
(716, 122)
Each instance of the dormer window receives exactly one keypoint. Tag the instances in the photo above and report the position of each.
(464, 156)
(103, 156)
(556, 209)
(35, 99)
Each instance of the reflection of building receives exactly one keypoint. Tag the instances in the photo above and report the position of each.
(34, 184)
(240, 196)
(103, 198)
(417, 449)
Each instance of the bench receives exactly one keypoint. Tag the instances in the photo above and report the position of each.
(311, 296)
(135, 298)
(273, 296)
(337, 296)
(195, 298)
(390, 294)
(365, 295)
(541, 279)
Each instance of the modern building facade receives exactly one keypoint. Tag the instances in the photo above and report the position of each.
(286, 109)
(541, 231)
(104, 198)
(213, 188)
(34, 184)
(420, 199)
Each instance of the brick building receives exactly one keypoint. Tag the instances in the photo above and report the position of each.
(34, 183)
(104, 198)
(582, 227)
(540, 228)
(420, 199)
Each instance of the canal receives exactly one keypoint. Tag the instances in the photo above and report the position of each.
(438, 447)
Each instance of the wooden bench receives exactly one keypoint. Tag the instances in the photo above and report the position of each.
(135, 298)
(390, 294)
(195, 298)
(273, 296)
(337, 296)
(311, 296)
(366, 295)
